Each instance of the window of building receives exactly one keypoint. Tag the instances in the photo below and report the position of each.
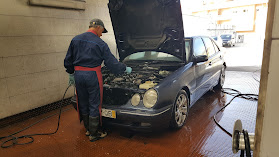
(64, 4)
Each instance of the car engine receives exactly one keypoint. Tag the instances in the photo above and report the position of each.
(139, 76)
(125, 86)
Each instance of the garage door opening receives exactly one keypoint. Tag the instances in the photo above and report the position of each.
(238, 27)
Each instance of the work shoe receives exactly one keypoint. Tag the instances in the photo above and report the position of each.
(87, 133)
(101, 131)
(94, 138)
(102, 134)
(99, 135)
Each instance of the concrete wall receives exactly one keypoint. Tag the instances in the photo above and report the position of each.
(267, 126)
(270, 137)
(33, 42)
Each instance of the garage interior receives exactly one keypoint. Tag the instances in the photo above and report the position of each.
(34, 40)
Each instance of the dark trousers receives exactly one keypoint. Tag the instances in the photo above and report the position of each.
(88, 92)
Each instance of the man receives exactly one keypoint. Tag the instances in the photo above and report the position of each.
(83, 62)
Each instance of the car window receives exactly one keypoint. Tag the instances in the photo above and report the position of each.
(209, 46)
(226, 36)
(151, 56)
(215, 47)
(199, 48)
(187, 49)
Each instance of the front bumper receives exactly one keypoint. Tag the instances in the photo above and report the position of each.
(225, 44)
(135, 119)
(139, 120)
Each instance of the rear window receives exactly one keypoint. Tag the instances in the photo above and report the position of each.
(226, 36)
(210, 47)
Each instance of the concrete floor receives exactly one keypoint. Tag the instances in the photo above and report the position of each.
(200, 136)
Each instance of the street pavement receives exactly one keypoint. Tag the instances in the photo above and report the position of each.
(244, 56)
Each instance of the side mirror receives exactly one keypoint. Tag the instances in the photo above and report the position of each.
(201, 58)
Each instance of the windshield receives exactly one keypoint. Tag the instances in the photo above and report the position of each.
(151, 56)
(215, 38)
(226, 36)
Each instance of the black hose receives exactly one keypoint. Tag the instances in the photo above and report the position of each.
(236, 94)
(242, 153)
(14, 139)
(247, 143)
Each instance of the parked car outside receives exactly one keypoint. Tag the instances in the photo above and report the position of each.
(218, 40)
(170, 71)
(228, 40)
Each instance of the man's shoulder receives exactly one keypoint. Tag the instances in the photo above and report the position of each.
(80, 36)
(90, 37)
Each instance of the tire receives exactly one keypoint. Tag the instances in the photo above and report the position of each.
(180, 110)
(221, 80)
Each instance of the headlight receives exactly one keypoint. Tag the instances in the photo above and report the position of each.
(135, 100)
(150, 98)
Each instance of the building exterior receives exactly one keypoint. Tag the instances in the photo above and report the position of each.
(240, 16)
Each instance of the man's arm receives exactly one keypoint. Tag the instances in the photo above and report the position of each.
(111, 62)
(68, 61)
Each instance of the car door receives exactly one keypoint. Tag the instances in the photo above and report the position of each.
(213, 65)
(219, 62)
(200, 68)
(189, 75)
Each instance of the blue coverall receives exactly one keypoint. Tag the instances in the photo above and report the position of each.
(89, 50)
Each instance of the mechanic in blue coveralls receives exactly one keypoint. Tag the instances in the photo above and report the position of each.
(83, 62)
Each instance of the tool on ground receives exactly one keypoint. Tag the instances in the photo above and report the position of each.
(242, 140)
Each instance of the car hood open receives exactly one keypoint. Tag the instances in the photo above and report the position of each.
(147, 25)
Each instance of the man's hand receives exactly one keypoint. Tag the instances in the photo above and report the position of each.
(71, 80)
(128, 70)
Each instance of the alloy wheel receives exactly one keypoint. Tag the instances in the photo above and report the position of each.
(181, 109)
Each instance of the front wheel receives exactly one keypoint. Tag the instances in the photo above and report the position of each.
(180, 110)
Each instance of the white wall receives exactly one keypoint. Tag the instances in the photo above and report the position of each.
(33, 42)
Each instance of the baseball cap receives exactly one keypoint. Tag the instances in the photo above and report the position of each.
(98, 22)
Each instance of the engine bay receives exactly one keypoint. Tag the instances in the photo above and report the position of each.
(142, 77)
